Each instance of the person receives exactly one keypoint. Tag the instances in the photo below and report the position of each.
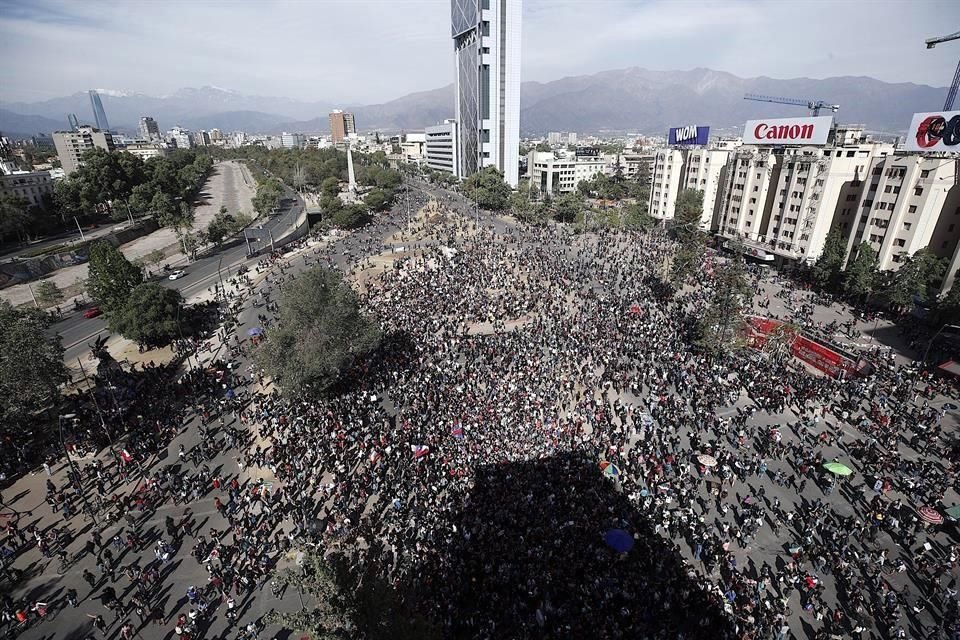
(72, 598)
(98, 623)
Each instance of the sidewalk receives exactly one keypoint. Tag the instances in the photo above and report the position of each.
(227, 186)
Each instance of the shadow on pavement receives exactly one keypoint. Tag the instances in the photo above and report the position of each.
(527, 559)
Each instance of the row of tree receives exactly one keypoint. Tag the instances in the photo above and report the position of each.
(918, 278)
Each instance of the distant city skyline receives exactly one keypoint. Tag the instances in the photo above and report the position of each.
(387, 49)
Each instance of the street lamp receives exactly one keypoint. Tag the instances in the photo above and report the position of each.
(76, 472)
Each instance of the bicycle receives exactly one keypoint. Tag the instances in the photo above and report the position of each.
(66, 562)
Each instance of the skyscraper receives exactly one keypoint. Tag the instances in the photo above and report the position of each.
(486, 42)
(341, 125)
(99, 115)
(149, 129)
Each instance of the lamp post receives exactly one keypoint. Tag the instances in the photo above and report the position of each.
(73, 468)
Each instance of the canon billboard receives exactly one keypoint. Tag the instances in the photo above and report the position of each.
(788, 131)
(934, 131)
(691, 134)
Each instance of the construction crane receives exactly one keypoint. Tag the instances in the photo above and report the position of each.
(813, 105)
(952, 91)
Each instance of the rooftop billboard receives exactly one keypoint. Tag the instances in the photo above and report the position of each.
(934, 131)
(691, 134)
(788, 131)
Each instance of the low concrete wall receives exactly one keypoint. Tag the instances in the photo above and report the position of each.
(20, 271)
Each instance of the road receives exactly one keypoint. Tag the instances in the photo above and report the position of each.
(77, 331)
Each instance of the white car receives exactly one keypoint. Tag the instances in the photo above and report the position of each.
(176, 275)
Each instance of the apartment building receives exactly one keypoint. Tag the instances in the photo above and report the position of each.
(71, 145)
(784, 200)
(705, 170)
(665, 183)
(908, 202)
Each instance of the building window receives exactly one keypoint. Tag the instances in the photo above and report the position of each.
(924, 173)
(907, 226)
(918, 191)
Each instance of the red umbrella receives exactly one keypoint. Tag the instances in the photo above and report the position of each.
(929, 514)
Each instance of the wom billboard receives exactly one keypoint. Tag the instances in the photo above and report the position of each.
(788, 131)
(934, 131)
(691, 134)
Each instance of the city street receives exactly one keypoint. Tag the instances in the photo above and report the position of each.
(77, 331)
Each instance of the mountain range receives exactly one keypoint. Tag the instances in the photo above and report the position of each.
(623, 100)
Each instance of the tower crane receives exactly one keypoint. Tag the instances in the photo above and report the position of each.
(813, 105)
(952, 91)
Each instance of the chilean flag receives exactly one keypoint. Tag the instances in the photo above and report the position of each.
(125, 456)
(419, 450)
(457, 432)
(374, 457)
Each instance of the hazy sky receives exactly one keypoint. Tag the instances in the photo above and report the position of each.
(365, 51)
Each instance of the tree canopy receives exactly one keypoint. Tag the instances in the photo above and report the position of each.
(31, 364)
(487, 189)
(120, 177)
(111, 276)
(320, 332)
(919, 275)
(690, 237)
(828, 267)
(149, 315)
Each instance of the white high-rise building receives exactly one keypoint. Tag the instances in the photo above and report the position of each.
(441, 147)
(486, 40)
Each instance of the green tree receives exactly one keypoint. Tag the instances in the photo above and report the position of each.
(149, 315)
(827, 269)
(690, 237)
(111, 276)
(48, 293)
(377, 200)
(330, 186)
(723, 317)
(352, 216)
(335, 611)
(14, 216)
(321, 331)
(267, 198)
(567, 207)
(31, 366)
(544, 146)
(919, 275)
(487, 189)
(154, 258)
(947, 309)
(636, 218)
(219, 228)
(861, 274)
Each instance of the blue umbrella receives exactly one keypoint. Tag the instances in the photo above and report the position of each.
(255, 331)
(618, 540)
(230, 394)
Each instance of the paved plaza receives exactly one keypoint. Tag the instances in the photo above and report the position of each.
(472, 465)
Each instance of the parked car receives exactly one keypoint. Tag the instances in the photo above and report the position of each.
(92, 312)
(176, 275)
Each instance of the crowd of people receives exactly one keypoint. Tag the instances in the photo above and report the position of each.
(536, 391)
